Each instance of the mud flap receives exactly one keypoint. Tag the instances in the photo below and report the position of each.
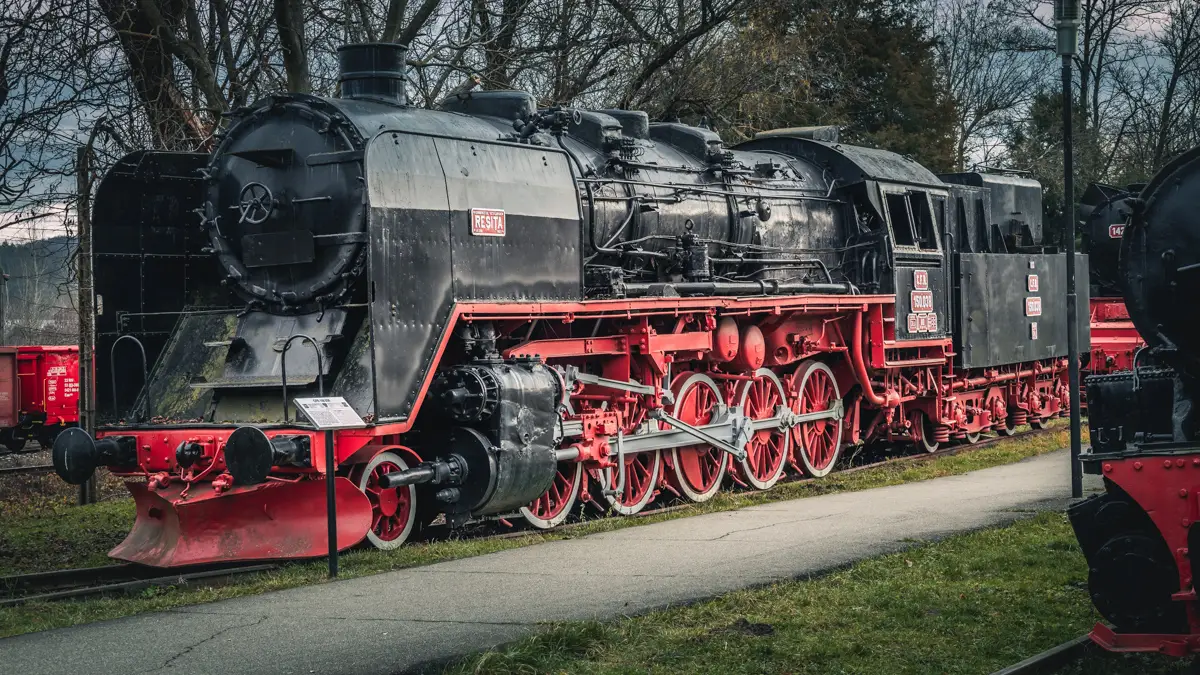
(270, 521)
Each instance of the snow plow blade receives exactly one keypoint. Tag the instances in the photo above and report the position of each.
(270, 521)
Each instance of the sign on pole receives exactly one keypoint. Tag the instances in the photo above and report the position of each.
(329, 412)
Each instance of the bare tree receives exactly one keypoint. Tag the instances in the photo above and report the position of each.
(49, 82)
(1179, 46)
(986, 73)
(1109, 36)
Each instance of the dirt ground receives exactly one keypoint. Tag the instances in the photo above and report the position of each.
(43, 491)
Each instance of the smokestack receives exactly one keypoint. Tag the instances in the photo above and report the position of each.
(373, 70)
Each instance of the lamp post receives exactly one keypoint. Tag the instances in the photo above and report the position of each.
(1066, 21)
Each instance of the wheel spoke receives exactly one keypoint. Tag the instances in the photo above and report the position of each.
(552, 506)
(766, 450)
(819, 440)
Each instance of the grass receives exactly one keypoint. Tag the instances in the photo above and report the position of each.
(972, 603)
(71, 536)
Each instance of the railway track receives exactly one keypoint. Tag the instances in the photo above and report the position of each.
(124, 578)
(17, 470)
(1050, 660)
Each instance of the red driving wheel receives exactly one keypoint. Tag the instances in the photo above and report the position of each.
(697, 470)
(768, 449)
(818, 443)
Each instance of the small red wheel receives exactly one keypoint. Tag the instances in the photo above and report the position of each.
(817, 443)
(697, 469)
(922, 432)
(393, 510)
(1009, 426)
(553, 507)
(642, 470)
(768, 450)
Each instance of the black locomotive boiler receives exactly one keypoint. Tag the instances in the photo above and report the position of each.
(536, 309)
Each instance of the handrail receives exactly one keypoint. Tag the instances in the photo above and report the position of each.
(112, 361)
(283, 368)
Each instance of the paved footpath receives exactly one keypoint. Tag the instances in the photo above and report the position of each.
(391, 622)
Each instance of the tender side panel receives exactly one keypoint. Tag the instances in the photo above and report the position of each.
(1003, 320)
(410, 270)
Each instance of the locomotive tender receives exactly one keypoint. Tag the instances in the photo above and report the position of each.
(533, 308)
(1138, 535)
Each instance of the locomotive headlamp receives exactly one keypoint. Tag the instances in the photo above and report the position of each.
(1066, 21)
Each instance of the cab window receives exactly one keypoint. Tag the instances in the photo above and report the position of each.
(901, 219)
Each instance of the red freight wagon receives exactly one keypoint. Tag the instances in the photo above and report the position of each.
(42, 398)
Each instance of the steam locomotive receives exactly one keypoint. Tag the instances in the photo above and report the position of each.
(1103, 211)
(533, 309)
(1137, 535)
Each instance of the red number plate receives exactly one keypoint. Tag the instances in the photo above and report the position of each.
(1033, 331)
(920, 279)
(487, 222)
(1116, 231)
(1033, 306)
(922, 323)
(1031, 283)
(921, 301)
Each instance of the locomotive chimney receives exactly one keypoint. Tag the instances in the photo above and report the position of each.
(373, 70)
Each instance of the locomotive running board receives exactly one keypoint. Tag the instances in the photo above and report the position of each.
(270, 521)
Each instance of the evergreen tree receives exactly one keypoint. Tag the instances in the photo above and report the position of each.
(865, 65)
(1036, 146)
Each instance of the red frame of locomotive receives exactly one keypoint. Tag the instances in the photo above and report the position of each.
(1114, 338)
(1167, 488)
(907, 391)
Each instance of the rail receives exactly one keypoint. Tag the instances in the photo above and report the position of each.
(34, 468)
(123, 578)
(438, 532)
(283, 368)
(1052, 659)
